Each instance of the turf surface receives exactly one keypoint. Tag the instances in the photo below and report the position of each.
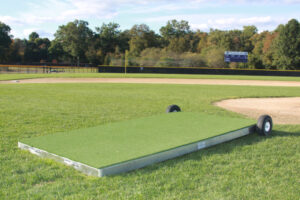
(113, 143)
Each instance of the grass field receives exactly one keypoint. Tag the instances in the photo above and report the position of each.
(251, 167)
(113, 143)
(119, 75)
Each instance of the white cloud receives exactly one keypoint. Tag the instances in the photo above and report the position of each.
(10, 20)
(200, 26)
(42, 33)
(256, 20)
(28, 31)
(90, 8)
(177, 5)
(62, 11)
(205, 22)
(262, 23)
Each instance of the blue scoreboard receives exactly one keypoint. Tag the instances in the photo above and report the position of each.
(235, 56)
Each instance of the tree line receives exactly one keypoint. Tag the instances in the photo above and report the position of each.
(176, 45)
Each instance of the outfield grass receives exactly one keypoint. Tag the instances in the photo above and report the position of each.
(113, 143)
(251, 167)
(119, 75)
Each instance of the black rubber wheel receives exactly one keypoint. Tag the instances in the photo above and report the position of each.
(173, 108)
(264, 125)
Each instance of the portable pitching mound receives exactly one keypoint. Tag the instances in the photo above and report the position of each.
(127, 145)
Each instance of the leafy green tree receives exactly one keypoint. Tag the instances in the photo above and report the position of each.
(192, 60)
(247, 34)
(150, 56)
(169, 59)
(56, 51)
(268, 51)
(141, 38)
(107, 59)
(175, 29)
(194, 40)
(202, 44)
(215, 57)
(36, 48)
(220, 39)
(262, 54)
(256, 56)
(233, 41)
(33, 36)
(177, 36)
(43, 44)
(5, 41)
(287, 46)
(17, 49)
(94, 55)
(75, 38)
(179, 45)
(124, 39)
(118, 58)
(109, 37)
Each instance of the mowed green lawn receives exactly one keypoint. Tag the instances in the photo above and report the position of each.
(136, 75)
(252, 167)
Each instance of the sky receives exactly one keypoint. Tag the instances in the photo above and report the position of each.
(45, 16)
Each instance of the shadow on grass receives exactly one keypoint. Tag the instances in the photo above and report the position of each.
(223, 148)
(285, 134)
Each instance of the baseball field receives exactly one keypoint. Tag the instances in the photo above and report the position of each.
(252, 167)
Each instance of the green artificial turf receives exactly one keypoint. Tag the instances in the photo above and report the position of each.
(137, 75)
(251, 167)
(113, 143)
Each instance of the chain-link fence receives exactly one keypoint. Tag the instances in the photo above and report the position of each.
(32, 69)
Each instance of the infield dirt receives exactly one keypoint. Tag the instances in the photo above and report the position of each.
(282, 110)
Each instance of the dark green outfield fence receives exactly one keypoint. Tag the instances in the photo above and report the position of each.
(31, 69)
(198, 70)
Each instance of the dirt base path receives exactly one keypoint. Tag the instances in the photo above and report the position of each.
(282, 110)
(159, 81)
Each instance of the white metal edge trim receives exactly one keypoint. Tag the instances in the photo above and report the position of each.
(77, 165)
(169, 154)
